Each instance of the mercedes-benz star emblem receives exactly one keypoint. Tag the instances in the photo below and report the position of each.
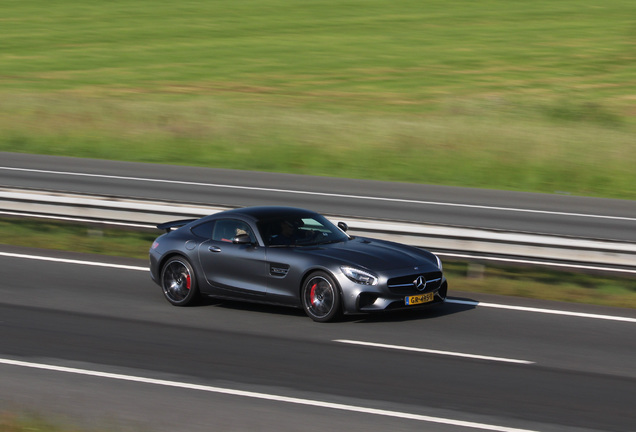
(420, 283)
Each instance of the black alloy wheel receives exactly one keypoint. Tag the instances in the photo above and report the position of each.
(320, 297)
(178, 282)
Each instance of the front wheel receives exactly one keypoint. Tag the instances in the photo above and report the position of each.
(178, 282)
(320, 297)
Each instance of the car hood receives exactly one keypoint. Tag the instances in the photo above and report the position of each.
(375, 255)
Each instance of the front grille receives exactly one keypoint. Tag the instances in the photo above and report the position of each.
(406, 285)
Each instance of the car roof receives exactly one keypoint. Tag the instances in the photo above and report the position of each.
(267, 212)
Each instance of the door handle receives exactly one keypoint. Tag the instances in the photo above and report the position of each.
(214, 249)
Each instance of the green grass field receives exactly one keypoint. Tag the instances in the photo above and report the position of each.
(535, 96)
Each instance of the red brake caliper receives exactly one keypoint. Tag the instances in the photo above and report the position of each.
(312, 294)
(188, 281)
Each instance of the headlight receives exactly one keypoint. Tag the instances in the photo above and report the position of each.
(439, 263)
(359, 276)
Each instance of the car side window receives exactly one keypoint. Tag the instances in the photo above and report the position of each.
(226, 229)
(203, 230)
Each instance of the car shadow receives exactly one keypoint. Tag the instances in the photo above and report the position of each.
(400, 315)
(249, 306)
(424, 313)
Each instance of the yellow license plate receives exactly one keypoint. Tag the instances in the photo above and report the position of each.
(419, 299)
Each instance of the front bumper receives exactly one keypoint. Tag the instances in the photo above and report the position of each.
(374, 302)
(378, 298)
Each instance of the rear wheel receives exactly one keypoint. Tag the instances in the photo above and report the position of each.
(320, 297)
(178, 282)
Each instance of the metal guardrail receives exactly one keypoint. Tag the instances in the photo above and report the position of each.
(141, 213)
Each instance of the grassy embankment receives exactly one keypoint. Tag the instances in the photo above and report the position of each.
(534, 96)
(10, 422)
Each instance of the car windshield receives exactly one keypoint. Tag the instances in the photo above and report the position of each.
(310, 230)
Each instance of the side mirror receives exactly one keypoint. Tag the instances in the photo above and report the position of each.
(242, 239)
(343, 226)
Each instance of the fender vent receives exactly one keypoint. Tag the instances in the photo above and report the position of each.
(279, 270)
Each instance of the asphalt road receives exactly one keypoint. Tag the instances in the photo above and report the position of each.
(558, 214)
(184, 368)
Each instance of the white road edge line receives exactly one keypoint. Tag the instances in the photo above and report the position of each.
(464, 302)
(327, 194)
(71, 261)
(263, 396)
(544, 311)
(430, 351)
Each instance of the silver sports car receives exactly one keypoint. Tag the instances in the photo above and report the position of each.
(293, 257)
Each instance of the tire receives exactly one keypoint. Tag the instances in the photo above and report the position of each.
(320, 297)
(178, 282)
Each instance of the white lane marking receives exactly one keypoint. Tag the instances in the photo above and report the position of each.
(534, 262)
(71, 261)
(265, 396)
(544, 311)
(327, 194)
(430, 351)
